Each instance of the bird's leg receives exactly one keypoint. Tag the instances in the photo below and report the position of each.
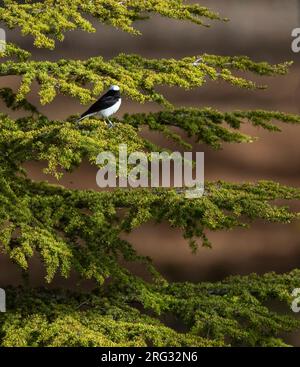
(110, 123)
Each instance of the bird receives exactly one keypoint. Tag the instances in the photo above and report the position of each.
(106, 105)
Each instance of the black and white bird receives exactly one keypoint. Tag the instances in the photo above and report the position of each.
(106, 105)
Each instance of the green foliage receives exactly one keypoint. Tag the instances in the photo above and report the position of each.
(207, 125)
(136, 76)
(83, 230)
(48, 20)
(64, 145)
(231, 312)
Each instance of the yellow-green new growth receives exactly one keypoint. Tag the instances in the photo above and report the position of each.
(50, 19)
(137, 77)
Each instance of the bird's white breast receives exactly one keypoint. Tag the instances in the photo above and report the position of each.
(111, 110)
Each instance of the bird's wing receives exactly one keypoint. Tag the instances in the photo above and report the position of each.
(104, 102)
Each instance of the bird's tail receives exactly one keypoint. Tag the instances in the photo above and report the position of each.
(81, 118)
(84, 117)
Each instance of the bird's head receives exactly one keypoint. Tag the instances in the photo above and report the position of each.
(114, 88)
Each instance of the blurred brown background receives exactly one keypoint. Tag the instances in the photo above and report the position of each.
(260, 29)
